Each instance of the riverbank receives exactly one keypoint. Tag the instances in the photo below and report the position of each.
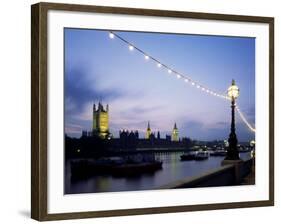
(173, 170)
(242, 173)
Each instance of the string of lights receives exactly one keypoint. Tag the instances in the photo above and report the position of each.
(244, 119)
(179, 75)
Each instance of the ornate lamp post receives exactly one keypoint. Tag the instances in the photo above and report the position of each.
(232, 151)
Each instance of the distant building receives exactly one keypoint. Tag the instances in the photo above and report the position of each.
(100, 121)
(158, 135)
(84, 133)
(152, 136)
(148, 131)
(175, 134)
(125, 134)
(168, 138)
(128, 139)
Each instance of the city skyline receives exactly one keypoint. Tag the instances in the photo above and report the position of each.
(99, 68)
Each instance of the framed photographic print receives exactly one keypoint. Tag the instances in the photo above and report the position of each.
(139, 111)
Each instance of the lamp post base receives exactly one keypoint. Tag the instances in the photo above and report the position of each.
(238, 165)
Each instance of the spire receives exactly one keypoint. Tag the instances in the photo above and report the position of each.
(100, 108)
(148, 126)
(148, 131)
(94, 107)
(175, 134)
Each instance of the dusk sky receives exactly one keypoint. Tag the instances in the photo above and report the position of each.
(137, 91)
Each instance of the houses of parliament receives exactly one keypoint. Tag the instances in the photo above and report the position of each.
(130, 139)
(100, 127)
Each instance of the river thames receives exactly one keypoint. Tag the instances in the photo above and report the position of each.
(173, 169)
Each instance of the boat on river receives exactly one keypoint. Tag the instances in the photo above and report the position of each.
(117, 166)
(218, 153)
(188, 156)
(135, 169)
(202, 155)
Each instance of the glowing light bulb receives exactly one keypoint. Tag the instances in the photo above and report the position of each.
(111, 35)
(169, 71)
(159, 65)
(186, 80)
(198, 86)
(178, 76)
(233, 90)
(131, 47)
(193, 83)
(146, 57)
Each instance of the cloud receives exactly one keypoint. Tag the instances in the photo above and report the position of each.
(199, 130)
(80, 91)
(139, 112)
(73, 128)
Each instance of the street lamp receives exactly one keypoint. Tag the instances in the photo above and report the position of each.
(232, 151)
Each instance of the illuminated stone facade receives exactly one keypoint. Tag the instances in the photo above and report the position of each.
(175, 134)
(100, 121)
(148, 132)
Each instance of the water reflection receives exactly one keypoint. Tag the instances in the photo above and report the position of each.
(172, 169)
